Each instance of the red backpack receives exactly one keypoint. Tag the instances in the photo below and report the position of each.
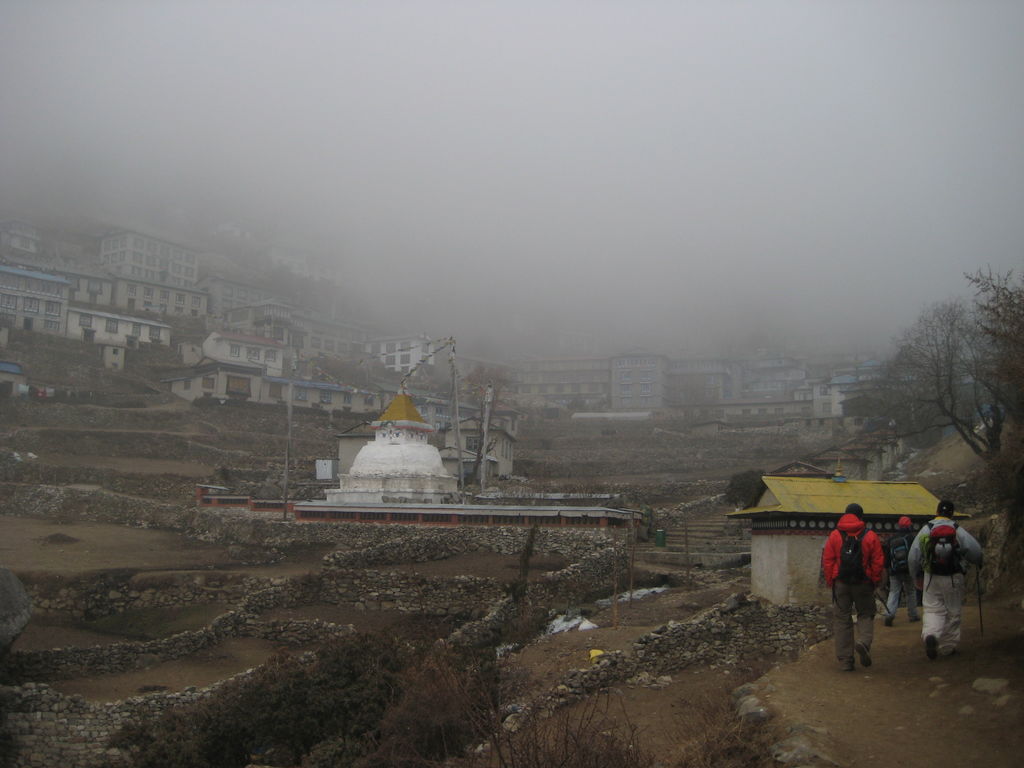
(942, 550)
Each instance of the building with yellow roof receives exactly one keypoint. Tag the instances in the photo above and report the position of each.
(794, 515)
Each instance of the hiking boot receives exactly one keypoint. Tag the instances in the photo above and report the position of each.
(888, 621)
(846, 666)
(864, 653)
(931, 646)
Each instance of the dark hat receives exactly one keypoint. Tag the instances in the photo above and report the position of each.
(855, 509)
(946, 508)
(904, 522)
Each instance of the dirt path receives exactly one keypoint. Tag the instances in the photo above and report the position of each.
(910, 711)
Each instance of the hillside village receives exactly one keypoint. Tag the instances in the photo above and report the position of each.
(152, 454)
(242, 319)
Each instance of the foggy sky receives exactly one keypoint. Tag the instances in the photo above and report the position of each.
(668, 174)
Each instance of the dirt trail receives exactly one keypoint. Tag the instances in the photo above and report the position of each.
(910, 711)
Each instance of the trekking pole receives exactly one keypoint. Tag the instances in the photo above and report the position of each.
(977, 580)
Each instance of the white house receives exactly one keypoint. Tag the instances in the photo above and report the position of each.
(228, 347)
(115, 330)
(401, 353)
(501, 445)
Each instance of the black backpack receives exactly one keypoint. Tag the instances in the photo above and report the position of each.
(899, 554)
(851, 560)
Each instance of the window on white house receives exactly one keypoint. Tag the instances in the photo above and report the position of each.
(235, 350)
(111, 325)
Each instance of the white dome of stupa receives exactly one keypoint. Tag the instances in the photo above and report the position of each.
(399, 465)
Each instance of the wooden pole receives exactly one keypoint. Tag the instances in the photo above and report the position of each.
(484, 430)
(686, 548)
(631, 532)
(615, 588)
(287, 449)
(456, 419)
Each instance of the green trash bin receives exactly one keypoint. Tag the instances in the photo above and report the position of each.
(659, 537)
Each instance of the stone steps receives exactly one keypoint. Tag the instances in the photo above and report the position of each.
(711, 542)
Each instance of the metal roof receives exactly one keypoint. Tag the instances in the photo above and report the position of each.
(8, 367)
(37, 275)
(815, 495)
(304, 384)
(113, 316)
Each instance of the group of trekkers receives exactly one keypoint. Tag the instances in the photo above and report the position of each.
(933, 561)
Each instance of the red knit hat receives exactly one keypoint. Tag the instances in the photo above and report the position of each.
(905, 522)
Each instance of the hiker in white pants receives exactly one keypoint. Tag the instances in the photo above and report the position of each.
(939, 554)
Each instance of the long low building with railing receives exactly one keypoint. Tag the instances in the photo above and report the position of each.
(464, 514)
(213, 496)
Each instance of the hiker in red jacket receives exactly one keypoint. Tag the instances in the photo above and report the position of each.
(853, 562)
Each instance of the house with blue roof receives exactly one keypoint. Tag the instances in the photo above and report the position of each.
(12, 376)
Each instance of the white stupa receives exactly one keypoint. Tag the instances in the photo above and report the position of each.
(399, 465)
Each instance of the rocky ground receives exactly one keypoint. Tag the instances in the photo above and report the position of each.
(903, 710)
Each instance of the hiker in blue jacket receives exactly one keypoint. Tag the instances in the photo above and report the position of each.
(897, 558)
(940, 552)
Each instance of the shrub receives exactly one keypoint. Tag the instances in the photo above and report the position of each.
(744, 487)
(590, 735)
(288, 706)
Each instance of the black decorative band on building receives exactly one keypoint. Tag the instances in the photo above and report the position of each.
(810, 524)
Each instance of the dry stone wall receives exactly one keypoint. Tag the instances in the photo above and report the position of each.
(169, 487)
(113, 592)
(51, 730)
(741, 627)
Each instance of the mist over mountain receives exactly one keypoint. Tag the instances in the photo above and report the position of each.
(548, 176)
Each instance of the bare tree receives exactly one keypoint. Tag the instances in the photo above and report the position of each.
(944, 374)
(1000, 302)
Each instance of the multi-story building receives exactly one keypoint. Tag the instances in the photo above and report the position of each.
(270, 319)
(142, 257)
(639, 381)
(228, 347)
(401, 353)
(704, 380)
(33, 301)
(89, 286)
(115, 330)
(306, 332)
(19, 239)
(226, 293)
(585, 381)
(325, 335)
(132, 294)
(250, 383)
(772, 376)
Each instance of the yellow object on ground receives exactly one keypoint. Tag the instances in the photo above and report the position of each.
(595, 654)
